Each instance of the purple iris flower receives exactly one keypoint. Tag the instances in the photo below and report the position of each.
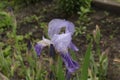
(61, 42)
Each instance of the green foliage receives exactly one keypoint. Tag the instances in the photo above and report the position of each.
(97, 35)
(3, 4)
(5, 21)
(83, 14)
(30, 19)
(85, 66)
(98, 69)
(44, 26)
(5, 64)
(59, 70)
(71, 6)
(25, 2)
(93, 69)
(80, 30)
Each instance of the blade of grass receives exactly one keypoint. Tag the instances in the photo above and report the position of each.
(84, 73)
(60, 71)
(3, 77)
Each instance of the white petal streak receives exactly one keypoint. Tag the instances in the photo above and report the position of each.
(45, 42)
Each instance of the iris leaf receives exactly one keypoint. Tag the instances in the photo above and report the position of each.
(84, 73)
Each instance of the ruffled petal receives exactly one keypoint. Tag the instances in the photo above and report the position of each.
(70, 64)
(61, 42)
(73, 47)
(55, 26)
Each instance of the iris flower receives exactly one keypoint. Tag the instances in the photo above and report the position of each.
(61, 42)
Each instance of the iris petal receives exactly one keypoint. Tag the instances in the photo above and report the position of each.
(38, 49)
(41, 44)
(55, 26)
(71, 65)
(61, 42)
(73, 47)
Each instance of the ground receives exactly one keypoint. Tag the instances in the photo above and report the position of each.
(108, 22)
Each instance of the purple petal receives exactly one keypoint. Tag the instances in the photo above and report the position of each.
(41, 44)
(61, 42)
(71, 65)
(55, 26)
(38, 49)
(73, 47)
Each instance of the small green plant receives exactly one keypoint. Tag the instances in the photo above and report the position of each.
(30, 19)
(80, 30)
(71, 6)
(95, 68)
(98, 69)
(83, 14)
(5, 21)
(45, 28)
(3, 4)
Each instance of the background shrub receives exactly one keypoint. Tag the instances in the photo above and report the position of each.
(25, 2)
(71, 6)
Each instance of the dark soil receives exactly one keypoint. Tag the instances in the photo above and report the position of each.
(109, 24)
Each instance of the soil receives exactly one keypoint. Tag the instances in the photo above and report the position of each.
(109, 24)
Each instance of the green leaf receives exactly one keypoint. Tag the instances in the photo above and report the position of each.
(5, 20)
(60, 70)
(84, 73)
(7, 50)
(20, 37)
